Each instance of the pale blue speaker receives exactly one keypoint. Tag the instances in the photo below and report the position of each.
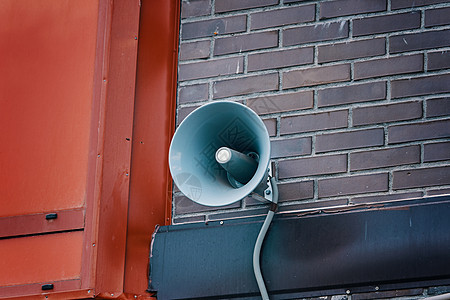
(220, 153)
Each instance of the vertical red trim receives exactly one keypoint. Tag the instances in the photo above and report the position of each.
(118, 125)
(94, 178)
(173, 103)
(150, 187)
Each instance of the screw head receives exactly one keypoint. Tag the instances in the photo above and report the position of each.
(268, 192)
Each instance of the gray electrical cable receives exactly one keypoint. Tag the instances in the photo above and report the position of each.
(259, 241)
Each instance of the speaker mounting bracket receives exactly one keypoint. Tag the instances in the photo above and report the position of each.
(267, 193)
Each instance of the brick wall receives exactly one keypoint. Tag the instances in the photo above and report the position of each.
(354, 93)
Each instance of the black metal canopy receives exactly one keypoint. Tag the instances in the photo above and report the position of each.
(385, 246)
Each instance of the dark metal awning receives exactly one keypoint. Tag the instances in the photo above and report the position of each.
(386, 246)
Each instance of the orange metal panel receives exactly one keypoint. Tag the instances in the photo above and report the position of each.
(66, 289)
(47, 53)
(38, 223)
(150, 191)
(43, 258)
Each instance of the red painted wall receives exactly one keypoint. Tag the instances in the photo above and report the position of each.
(46, 91)
(74, 144)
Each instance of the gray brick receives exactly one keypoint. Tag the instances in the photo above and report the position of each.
(419, 131)
(284, 16)
(315, 33)
(438, 16)
(245, 85)
(387, 294)
(311, 207)
(396, 4)
(314, 122)
(438, 60)
(419, 41)
(330, 9)
(250, 201)
(438, 192)
(210, 68)
(293, 104)
(420, 86)
(280, 59)
(436, 151)
(281, 103)
(351, 50)
(232, 5)
(389, 66)
(182, 220)
(238, 214)
(318, 165)
(292, 1)
(213, 27)
(195, 8)
(246, 42)
(184, 205)
(384, 158)
(183, 112)
(271, 125)
(437, 107)
(192, 93)
(349, 140)
(387, 113)
(387, 23)
(296, 191)
(423, 177)
(386, 198)
(316, 76)
(351, 94)
(194, 50)
(438, 290)
(290, 147)
(352, 185)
